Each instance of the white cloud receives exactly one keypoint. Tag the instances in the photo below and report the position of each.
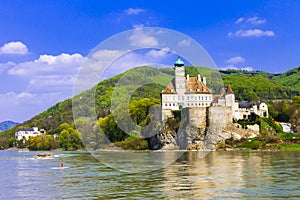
(237, 68)
(106, 55)
(134, 11)
(63, 58)
(5, 66)
(253, 20)
(184, 43)
(14, 48)
(256, 21)
(45, 64)
(52, 83)
(252, 33)
(239, 20)
(158, 53)
(24, 95)
(235, 60)
(142, 38)
(24, 105)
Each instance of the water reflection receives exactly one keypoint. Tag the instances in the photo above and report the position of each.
(232, 175)
(217, 175)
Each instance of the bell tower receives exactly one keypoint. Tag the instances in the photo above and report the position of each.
(179, 77)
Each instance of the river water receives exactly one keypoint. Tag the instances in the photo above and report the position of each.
(217, 175)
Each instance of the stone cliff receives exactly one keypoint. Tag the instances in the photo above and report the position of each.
(198, 129)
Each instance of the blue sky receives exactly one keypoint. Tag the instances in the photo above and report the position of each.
(43, 43)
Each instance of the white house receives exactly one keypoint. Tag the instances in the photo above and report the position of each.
(25, 133)
(243, 109)
(184, 91)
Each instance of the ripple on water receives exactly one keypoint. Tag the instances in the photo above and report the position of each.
(219, 175)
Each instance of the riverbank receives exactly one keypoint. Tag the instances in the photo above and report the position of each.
(275, 148)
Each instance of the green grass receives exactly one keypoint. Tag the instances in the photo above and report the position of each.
(288, 136)
(289, 147)
(252, 143)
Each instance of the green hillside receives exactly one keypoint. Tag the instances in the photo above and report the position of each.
(290, 78)
(249, 86)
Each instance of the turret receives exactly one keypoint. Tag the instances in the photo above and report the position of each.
(229, 90)
(179, 77)
(204, 80)
(179, 63)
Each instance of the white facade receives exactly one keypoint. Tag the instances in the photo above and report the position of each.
(25, 133)
(184, 91)
(244, 110)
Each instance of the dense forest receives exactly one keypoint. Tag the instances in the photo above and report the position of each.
(134, 92)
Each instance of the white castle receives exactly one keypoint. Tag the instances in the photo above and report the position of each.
(189, 92)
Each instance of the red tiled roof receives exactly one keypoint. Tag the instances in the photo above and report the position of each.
(229, 90)
(170, 89)
(195, 86)
(192, 86)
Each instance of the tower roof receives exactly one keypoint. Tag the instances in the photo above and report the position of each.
(179, 63)
(229, 90)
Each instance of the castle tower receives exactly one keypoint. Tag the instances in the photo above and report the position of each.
(179, 77)
(230, 100)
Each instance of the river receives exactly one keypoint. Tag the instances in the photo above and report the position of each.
(217, 175)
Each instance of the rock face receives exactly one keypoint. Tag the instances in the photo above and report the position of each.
(199, 129)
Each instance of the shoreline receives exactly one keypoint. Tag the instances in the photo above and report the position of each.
(159, 150)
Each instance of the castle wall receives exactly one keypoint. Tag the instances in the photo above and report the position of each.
(219, 116)
(196, 116)
(202, 117)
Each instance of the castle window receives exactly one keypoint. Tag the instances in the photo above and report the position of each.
(188, 104)
(166, 104)
(192, 104)
(182, 98)
(202, 104)
(202, 98)
(188, 98)
(170, 104)
(199, 98)
(205, 97)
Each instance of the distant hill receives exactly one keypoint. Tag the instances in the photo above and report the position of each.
(250, 86)
(290, 78)
(7, 125)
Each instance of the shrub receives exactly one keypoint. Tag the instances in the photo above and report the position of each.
(133, 144)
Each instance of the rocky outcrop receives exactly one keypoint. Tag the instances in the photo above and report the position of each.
(199, 129)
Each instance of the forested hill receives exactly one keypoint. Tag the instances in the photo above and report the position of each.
(251, 86)
(290, 79)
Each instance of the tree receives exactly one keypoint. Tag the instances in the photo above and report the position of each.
(69, 138)
(11, 142)
(42, 142)
(296, 100)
